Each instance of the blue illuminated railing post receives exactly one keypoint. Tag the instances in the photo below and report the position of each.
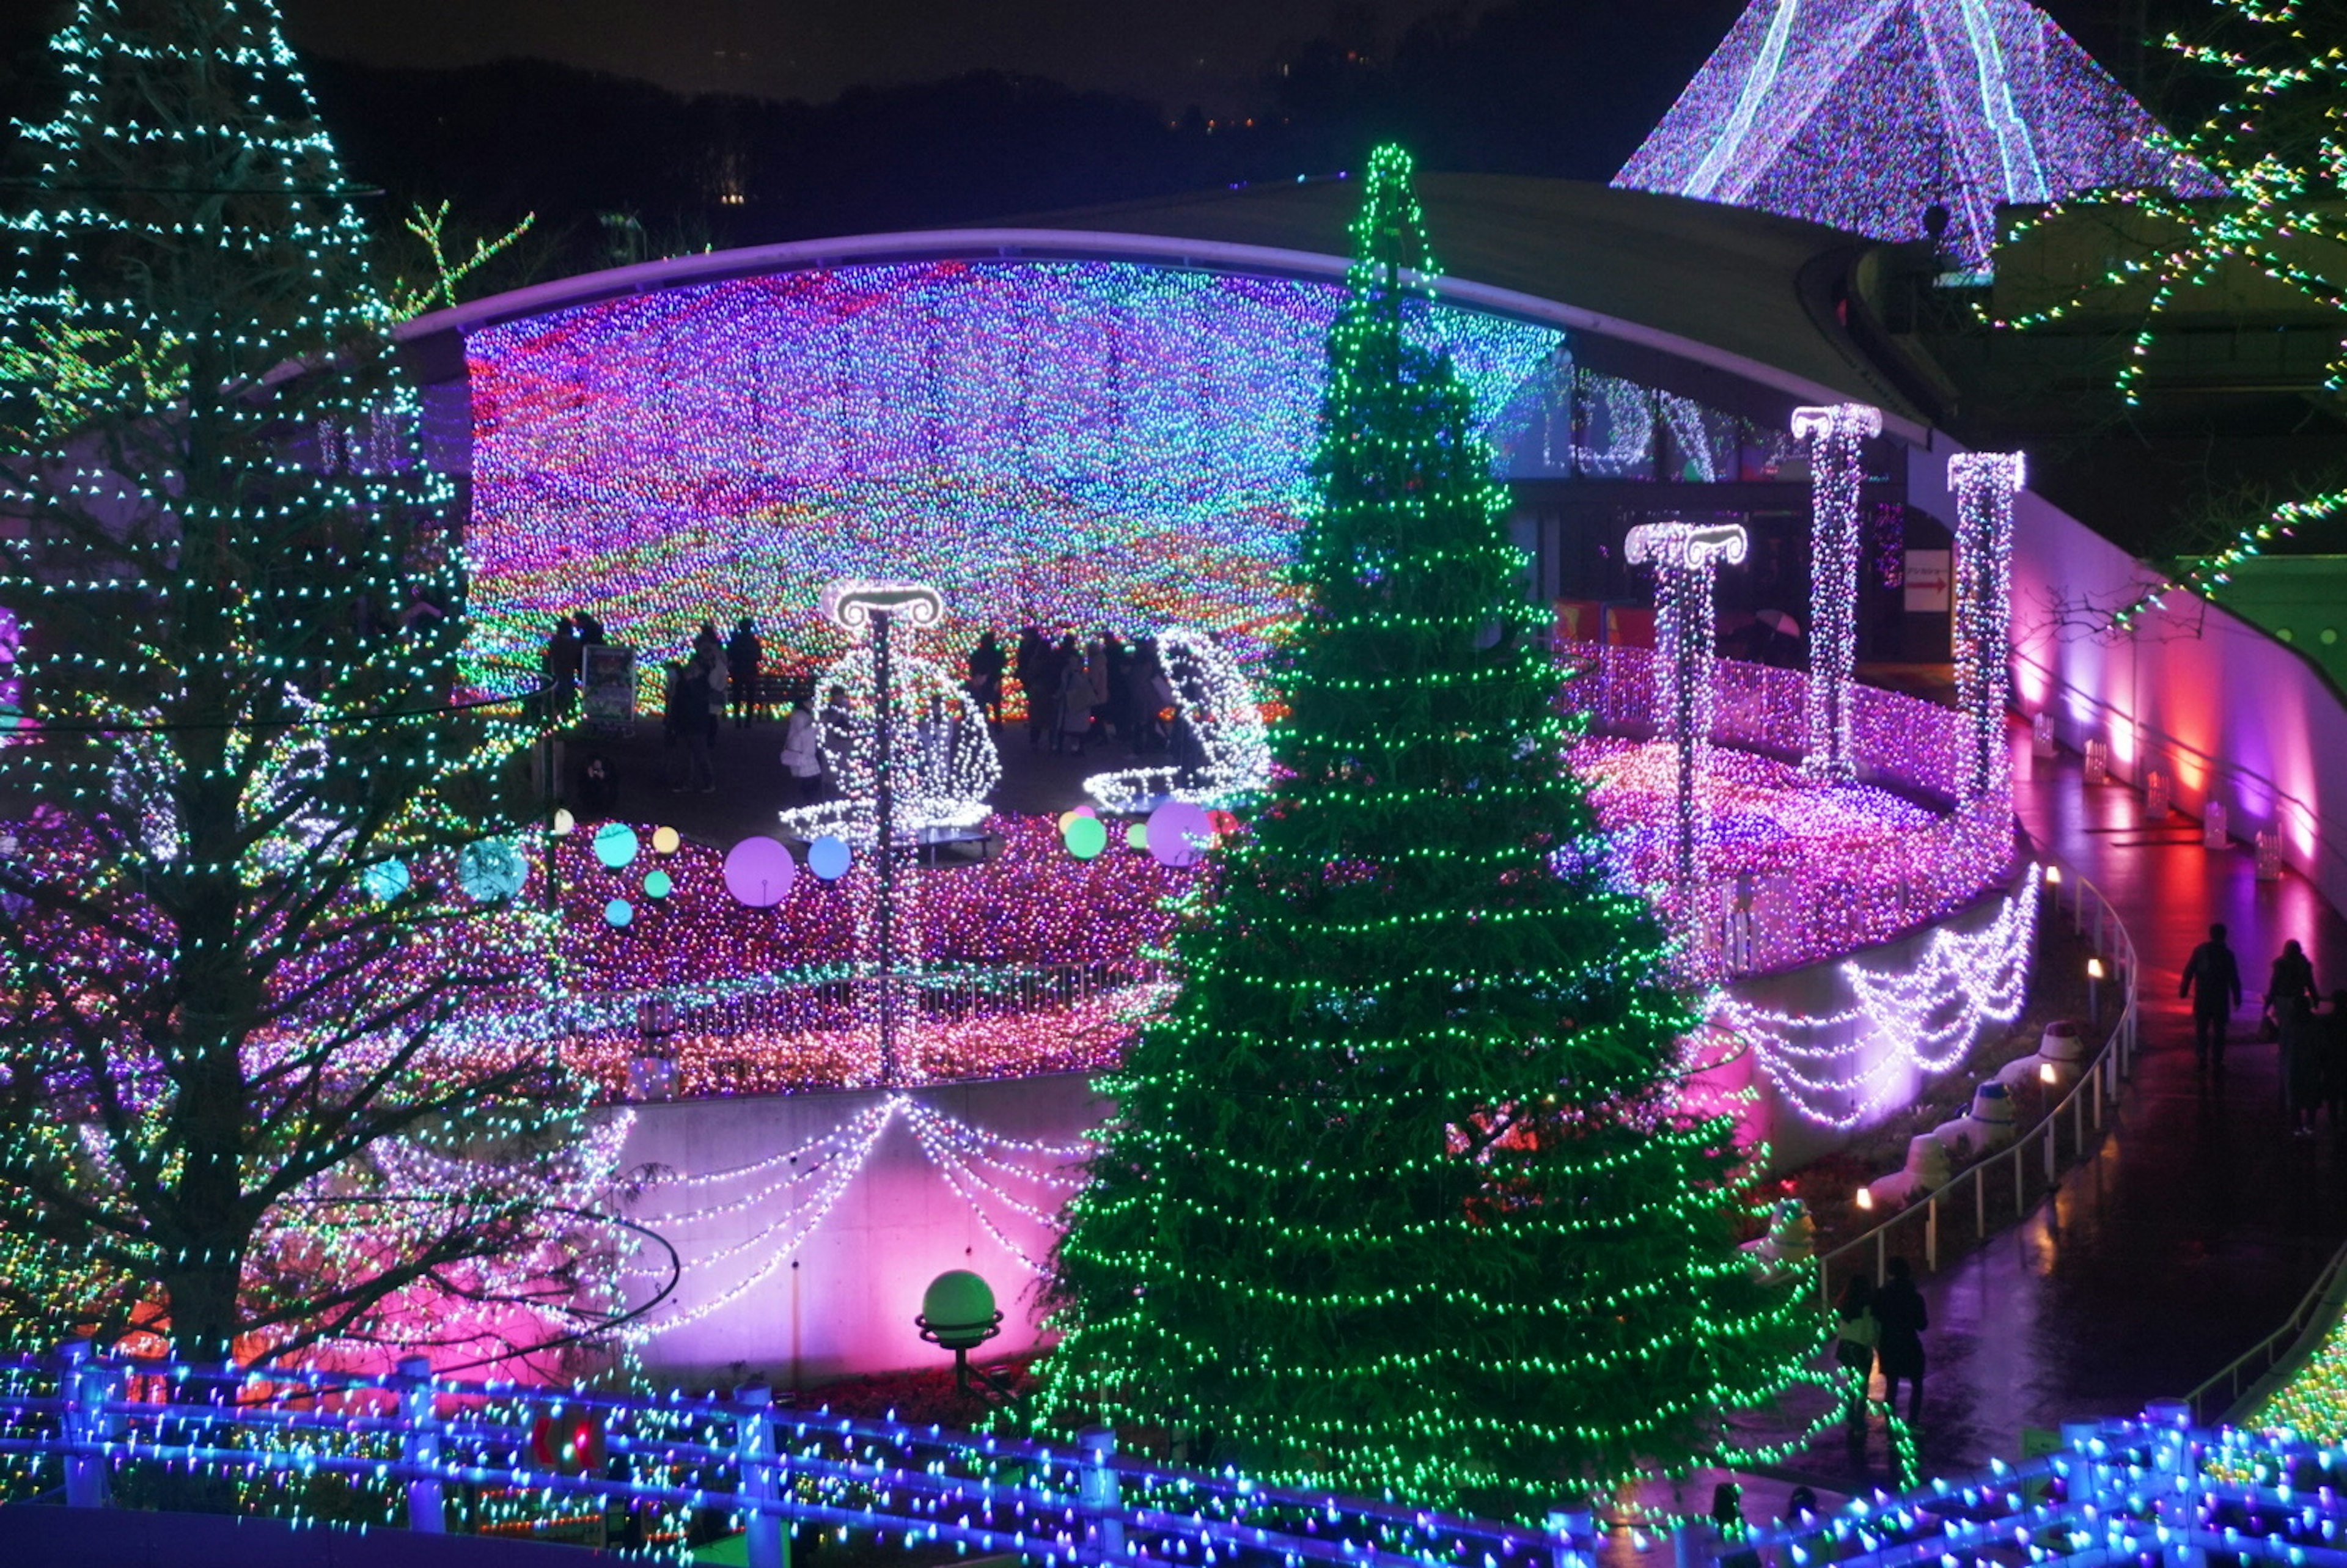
(755, 1452)
(1566, 1531)
(1098, 1493)
(87, 1382)
(419, 1447)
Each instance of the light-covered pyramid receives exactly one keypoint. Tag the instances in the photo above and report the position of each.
(1865, 113)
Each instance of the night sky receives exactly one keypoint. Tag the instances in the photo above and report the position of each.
(1212, 53)
(1217, 54)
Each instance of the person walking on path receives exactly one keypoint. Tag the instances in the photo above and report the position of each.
(743, 655)
(987, 662)
(1856, 1333)
(2292, 980)
(2301, 1063)
(801, 758)
(1899, 1312)
(2212, 979)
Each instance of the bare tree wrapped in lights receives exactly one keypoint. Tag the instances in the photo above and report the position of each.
(263, 842)
(1984, 483)
(1395, 1195)
(1837, 436)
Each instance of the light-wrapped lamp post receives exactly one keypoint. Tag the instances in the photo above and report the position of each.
(1836, 437)
(1984, 483)
(1686, 557)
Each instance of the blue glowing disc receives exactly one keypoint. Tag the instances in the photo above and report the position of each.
(618, 912)
(828, 857)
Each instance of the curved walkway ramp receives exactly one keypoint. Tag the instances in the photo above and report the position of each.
(2201, 1222)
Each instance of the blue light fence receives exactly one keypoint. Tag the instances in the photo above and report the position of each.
(2155, 1489)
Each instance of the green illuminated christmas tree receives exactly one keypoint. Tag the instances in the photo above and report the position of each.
(257, 846)
(1395, 1197)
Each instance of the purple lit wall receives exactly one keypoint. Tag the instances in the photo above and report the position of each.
(2232, 715)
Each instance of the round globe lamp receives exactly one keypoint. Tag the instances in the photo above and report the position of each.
(958, 1313)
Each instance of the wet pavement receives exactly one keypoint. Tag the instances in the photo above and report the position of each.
(2198, 1222)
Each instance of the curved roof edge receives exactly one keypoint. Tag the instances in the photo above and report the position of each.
(1070, 244)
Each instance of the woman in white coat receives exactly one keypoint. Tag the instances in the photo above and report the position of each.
(802, 758)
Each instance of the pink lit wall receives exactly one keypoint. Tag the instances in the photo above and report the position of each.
(843, 1299)
(2232, 715)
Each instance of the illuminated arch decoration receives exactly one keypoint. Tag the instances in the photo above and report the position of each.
(1861, 114)
(1219, 709)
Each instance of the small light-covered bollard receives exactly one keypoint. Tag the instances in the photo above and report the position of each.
(1098, 1491)
(2041, 734)
(2268, 855)
(420, 1446)
(2212, 827)
(2098, 762)
(2157, 795)
(755, 1452)
(87, 1382)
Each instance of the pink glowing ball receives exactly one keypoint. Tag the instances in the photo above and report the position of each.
(1180, 832)
(759, 871)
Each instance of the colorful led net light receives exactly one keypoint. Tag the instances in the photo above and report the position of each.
(1032, 961)
(1862, 114)
(1069, 443)
(1819, 869)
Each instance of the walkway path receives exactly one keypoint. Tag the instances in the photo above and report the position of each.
(2199, 1223)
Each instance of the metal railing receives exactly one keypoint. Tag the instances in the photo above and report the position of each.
(2037, 1149)
(2152, 1488)
(2313, 1316)
(89, 1422)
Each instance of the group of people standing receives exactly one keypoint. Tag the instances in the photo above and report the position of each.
(565, 656)
(2313, 1041)
(719, 674)
(1078, 693)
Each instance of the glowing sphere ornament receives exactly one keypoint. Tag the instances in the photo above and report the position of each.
(386, 879)
(759, 872)
(828, 857)
(618, 912)
(490, 870)
(1179, 832)
(615, 845)
(1085, 837)
(665, 840)
(658, 886)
